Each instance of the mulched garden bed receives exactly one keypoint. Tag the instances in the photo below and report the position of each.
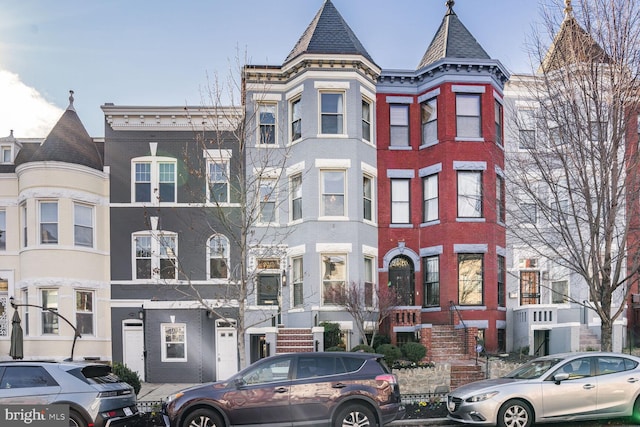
(421, 410)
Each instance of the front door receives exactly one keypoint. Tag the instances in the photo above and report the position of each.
(226, 349)
(133, 346)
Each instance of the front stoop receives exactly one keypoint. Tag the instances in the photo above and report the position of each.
(294, 340)
(588, 340)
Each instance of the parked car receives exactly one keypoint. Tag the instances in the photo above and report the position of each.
(332, 388)
(554, 388)
(94, 395)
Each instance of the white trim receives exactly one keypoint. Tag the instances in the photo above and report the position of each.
(163, 348)
(368, 169)
(331, 85)
(294, 92)
(428, 95)
(401, 173)
(369, 95)
(431, 251)
(334, 247)
(371, 251)
(468, 89)
(266, 97)
(462, 248)
(469, 166)
(430, 170)
(399, 100)
(333, 163)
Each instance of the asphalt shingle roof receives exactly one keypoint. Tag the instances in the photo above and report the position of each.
(69, 142)
(328, 33)
(452, 40)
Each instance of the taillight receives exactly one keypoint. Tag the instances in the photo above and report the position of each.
(109, 414)
(390, 378)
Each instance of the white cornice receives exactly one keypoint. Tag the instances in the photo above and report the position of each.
(171, 118)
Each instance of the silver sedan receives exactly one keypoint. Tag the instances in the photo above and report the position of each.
(559, 387)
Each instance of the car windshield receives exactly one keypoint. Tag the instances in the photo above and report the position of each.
(533, 369)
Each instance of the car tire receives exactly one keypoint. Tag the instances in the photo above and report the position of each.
(515, 413)
(635, 415)
(355, 416)
(76, 420)
(203, 418)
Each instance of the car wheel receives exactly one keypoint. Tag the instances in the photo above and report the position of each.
(203, 418)
(355, 416)
(75, 419)
(515, 413)
(635, 416)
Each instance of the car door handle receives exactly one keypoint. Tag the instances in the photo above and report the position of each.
(632, 380)
(588, 386)
(338, 385)
(281, 390)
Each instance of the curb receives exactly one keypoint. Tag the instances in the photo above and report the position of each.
(421, 422)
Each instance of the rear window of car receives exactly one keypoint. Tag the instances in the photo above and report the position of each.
(353, 363)
(95, 374)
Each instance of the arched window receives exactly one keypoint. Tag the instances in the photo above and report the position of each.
(218, 254)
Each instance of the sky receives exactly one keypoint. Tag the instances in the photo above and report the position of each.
(163, 52)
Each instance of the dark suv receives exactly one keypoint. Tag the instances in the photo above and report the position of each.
(332, 389)
(94, 396)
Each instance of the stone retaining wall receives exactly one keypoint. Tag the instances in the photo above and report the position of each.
(438, 378)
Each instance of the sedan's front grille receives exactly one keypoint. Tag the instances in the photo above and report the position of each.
(453, 403)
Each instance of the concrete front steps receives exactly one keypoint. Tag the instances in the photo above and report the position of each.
(588, 340)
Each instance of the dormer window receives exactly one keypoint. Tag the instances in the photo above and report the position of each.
(6, 154)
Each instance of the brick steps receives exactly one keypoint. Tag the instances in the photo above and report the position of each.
(465, 373)
(447, 343)
(294, 340)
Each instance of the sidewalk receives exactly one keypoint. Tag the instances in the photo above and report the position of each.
(152, 392)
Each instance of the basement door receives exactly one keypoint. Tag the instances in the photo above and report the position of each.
(133, 346)
(226, 349)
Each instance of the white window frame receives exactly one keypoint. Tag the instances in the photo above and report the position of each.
(158, 251)
(368, 198)
(369, 281)
(6, 152)
(295, 194)
(295, 118)
(3, 229)
(367, 120)
(466, 197)
(223, 166)
(326, 279)
(54, 318)
(49, 221)
(429, 199)
(431, 122)
(392, 141)
(267, 107)
(326, 194)
(398, 201)
(297, 281)
(155, 179)
(341, 115)
(163, 342)
(460, 116)
(89, 226)
(224, 256)
(267, 195)
(90, 312)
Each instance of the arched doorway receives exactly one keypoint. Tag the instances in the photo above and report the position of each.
(401, 279)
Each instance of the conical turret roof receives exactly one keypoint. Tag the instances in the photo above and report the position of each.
(328, 33)
(452, 40)
(572, 45)
(69, 142)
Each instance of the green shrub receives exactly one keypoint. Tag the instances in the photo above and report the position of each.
(390, 352)
(363, 347)
(331, 335)
(334, 348)
(127, 375)
(378, 340)
(414, 351)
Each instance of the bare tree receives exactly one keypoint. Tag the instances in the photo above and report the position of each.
(572, 178)
(368, 304)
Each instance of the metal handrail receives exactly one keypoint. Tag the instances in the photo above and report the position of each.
(453, 306)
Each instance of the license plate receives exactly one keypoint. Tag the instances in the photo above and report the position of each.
(127, 411)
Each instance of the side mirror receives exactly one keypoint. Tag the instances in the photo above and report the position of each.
(239, 382)
(558, 378)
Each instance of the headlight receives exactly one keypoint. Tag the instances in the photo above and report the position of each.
(174, 397)
(481, 397)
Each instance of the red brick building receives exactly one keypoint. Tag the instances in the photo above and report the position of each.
(441, 189)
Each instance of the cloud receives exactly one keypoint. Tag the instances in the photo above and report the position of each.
(24, 110)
